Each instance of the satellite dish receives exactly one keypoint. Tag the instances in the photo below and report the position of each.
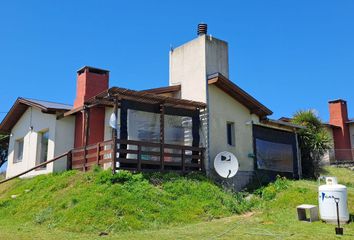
(226, 164)
(113, 121)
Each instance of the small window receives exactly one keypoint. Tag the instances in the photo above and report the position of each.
(18, 150)
(230, 128)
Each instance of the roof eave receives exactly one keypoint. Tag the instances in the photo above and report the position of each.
(232, 89)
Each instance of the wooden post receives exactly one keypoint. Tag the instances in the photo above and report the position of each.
(114, 138)
(139, 157)
(162, 137)
(98, 154)
(87, 132)
(183, 160)
(69, 162)
(202, 154)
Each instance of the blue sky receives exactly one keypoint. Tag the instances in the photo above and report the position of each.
(290, 55)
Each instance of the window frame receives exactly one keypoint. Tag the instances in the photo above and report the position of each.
(230, 134)
(40, 146)
(17, 148)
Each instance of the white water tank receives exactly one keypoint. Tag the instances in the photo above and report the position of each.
(326, 199)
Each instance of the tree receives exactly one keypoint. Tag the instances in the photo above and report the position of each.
(314, 141)
(4, 145)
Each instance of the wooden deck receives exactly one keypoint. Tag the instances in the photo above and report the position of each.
(139, 156)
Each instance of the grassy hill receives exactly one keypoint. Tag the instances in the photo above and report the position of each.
(75, 205)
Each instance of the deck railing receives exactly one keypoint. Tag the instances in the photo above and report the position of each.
(84, 158)
(139, 156)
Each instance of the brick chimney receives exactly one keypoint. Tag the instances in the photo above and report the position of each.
(339, 117)
(90, 82)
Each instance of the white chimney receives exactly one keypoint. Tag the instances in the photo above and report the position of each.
(194, 61)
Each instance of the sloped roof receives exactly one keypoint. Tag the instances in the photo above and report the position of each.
(228, 87)
(239, 94)
(21, 105)
(48, 105)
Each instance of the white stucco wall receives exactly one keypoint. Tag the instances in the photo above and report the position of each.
(329, 156)
(223, 109)
(217, 56)
(188, 68)
(40, 122)
(61, 140)
(64, 140)
(191, 63)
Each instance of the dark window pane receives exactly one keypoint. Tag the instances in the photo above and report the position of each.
(274, 156)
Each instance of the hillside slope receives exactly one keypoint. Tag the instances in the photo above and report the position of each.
(99, 202)
(75, 205)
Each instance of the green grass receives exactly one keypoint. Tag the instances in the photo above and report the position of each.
(97, 201)
(74, 205)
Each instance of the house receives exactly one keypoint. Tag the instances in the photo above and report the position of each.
(37, 135)
(341, 131)
(182, 126)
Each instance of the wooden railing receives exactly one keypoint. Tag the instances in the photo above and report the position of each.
(140, 156)
(84, 158)
(67, 155)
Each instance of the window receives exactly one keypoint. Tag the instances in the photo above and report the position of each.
(274, 156)
(18, 150)
(230, 129)
(43, 147)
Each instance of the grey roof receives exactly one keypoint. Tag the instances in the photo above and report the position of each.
(50, 105)
(288, 124)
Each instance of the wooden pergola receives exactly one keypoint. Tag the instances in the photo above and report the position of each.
(125, 99)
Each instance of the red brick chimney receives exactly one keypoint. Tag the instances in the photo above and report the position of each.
(90, 82)
(339, 117)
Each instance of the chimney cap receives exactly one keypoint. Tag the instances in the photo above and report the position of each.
(93, 70)
(337, 101)
(202, 29)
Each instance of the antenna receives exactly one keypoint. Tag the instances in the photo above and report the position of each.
(226, 164)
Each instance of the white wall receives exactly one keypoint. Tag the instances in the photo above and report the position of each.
(217, 56)
(188, 68)
(223, 109)
(61, 140)
(191, 63)
(64, 140)
(39, 121)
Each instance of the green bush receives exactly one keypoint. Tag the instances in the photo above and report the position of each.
(269, 192)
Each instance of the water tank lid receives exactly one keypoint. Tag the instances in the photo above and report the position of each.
(332, 187)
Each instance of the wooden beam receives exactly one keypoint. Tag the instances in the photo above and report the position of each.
(86, 135)
(114, 137)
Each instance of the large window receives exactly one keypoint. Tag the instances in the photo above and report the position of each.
(275, 150)
(18, 150)
(43, 147)
(274, 156)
